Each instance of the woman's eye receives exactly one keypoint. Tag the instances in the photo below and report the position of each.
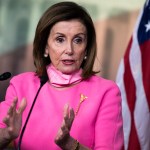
(59, 39)
(78, 40)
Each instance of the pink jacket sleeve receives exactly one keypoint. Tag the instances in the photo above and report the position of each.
(108, 127)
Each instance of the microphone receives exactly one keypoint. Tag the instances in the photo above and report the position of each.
(43, 80)
(5, 76)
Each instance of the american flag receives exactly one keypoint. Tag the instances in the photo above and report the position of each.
(133, 78)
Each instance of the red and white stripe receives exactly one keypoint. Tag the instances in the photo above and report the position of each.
(132, 78)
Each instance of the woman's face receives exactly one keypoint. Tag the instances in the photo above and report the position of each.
(66, 45)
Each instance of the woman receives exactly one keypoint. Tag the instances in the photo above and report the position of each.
(74, 109)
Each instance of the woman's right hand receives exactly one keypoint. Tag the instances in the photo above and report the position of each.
(13, 119)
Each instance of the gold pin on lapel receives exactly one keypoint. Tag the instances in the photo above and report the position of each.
(82, 98)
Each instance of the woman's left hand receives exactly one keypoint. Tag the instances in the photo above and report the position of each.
(63, 138)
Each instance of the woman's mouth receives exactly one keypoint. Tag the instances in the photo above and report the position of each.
(68, 62)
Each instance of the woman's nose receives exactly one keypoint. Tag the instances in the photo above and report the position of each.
(69, 48)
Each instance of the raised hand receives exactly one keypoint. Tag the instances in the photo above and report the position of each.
(13, 119)
(63, 138)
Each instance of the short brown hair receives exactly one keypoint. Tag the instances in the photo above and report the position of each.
(63, 11)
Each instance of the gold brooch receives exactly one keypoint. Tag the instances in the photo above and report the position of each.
(82, 98)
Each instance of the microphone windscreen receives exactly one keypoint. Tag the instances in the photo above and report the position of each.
(5, 76)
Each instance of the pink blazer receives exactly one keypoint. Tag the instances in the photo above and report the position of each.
(98, 122)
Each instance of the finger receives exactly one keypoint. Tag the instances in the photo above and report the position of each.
(10, 110)
(61, 133)
(71, 119)
(22, 106)
(66, 111)
(58, 136)
(12, 107)
(64, 129)
(66, 114)
(6, 120)
(72, 115)
(64, 126)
